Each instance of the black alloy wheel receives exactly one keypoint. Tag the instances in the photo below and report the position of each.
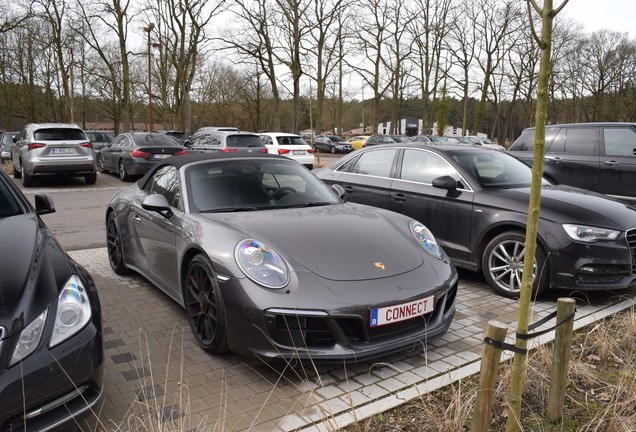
(204, 306)
(100, 164)
(114, 246)
(502, 265)
(123, 175)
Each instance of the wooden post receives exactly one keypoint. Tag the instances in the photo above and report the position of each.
(488, 377)
(560, 359)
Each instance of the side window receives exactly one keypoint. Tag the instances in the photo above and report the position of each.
(558, 143)
(581, 140)
(550, 134)
(348, 166)
(376, 163)
(619, 141)
(165, 182)
(525, 142)
(422, 166)
(267, 139)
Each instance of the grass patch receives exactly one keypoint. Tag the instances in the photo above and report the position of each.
(601, 393)
(7, 167)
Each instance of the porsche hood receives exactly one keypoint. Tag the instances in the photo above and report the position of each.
(337, 242)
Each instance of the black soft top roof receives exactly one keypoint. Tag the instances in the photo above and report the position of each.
(183, 160)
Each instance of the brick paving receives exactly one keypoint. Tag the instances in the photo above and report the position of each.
(155, 369)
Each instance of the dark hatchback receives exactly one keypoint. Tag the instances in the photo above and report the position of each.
(597, 156)
(51, 350)
(134, 153)
(332, 144)
(475, 201)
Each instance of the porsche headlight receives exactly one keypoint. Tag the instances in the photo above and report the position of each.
(29, 339)
(73, 311)
(589, 234)
(425, 238)
(261, 264)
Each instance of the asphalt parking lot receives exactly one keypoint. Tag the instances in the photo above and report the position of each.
(155, 369)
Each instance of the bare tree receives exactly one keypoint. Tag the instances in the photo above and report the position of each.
(430, 32)
(115, 17)
(601, 68)
(372, 41)
(54, 14)
(181, 27)
(461, 43)
(547, 14)
(323, 48)
(253, 41)
(493, 26)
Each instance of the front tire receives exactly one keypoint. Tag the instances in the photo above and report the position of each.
(114, 246)
(204, 306)
(502, 265)
(16, 174)
(332, 150)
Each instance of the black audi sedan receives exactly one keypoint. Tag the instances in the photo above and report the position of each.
(51, 351)
(475, 200)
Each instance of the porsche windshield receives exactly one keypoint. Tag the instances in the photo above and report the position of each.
(253, 184)
(494, 169)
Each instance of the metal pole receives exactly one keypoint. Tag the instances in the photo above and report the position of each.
(148, 29)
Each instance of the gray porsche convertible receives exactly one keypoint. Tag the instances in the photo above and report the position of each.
(270, 262)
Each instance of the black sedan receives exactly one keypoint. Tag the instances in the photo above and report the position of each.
(51, 351)
(269, 262)
(132, 154)
(332, 144)
(475, 200)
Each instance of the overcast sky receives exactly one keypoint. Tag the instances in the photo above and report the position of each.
(617, 15)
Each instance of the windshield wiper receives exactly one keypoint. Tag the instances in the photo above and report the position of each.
(232, 209)
(303, 205)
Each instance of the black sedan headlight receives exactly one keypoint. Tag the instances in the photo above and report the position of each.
(426, 239)
(590, 234)
(262, 264)
(73, 313)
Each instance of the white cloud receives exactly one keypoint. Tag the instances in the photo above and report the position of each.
(616, 15)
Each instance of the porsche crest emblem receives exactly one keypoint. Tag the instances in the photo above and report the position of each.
(379, 265)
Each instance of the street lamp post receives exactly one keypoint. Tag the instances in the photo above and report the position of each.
(148, 29)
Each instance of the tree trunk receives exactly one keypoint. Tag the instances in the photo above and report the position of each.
(519, 365)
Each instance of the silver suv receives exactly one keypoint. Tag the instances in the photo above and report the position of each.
(53, 148)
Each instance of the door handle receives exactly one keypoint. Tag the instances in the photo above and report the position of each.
(554, 159)
(610, 163)
(137, 219)
(399, 197)
(348, 189)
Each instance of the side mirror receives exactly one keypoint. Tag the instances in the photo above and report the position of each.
(446, 182)
(157, 203)
(340, 191)
(44, 204)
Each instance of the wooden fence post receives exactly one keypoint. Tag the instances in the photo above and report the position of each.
(560, 358)
(488, 376)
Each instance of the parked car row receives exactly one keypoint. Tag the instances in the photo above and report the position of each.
(274, 264)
